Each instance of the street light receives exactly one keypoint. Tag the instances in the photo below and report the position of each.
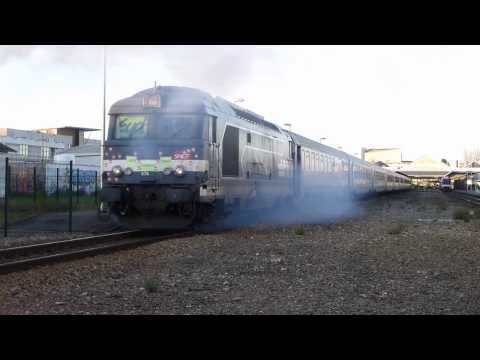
(288, 125)
(239, 100)
(323, 138)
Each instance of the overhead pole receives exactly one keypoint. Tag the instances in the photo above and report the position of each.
(104, 112)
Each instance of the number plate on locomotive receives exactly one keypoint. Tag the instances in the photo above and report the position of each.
(145, 173)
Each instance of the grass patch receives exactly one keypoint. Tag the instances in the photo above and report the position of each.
(396, 229)
(462, 214)
(22, 207)
(300, 231)
(151, 285)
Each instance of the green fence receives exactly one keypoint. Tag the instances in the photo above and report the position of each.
(31, 188)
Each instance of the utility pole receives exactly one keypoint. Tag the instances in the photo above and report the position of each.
(102, 148)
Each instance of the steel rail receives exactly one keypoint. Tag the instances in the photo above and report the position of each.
(115, 242)
(472, 199)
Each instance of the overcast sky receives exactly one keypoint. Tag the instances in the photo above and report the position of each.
(423, 99)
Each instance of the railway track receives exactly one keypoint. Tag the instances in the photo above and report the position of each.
(24, 257)
(472, 199)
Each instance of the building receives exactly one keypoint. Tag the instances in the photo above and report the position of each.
(386, 157)
(34, 144)
(44, 144)
(466, 178)
(88, 154)
(471, 156)
(76, 133)
(46, 151)
(4, 149)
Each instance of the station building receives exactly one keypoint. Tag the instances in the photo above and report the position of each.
(386, 157)
(465, 179)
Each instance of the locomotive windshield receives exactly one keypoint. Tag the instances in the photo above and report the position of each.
(130, 127)
(159, 126)
(176, 126)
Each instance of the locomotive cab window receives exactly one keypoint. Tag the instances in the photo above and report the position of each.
(172, 126)
(160, 126)
(130, 127)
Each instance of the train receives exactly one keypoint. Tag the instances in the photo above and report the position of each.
(176, 156)
(446, 184)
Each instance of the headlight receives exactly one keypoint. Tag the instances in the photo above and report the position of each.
(117, 170)
(167, 171)
(128, 171)
(179, 170)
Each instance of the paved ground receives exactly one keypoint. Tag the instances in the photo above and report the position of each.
(399, 254)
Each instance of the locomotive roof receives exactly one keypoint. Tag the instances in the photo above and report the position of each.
(185, 99)
(173, 99)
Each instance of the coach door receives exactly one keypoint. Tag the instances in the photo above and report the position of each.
(230, 152)
(298, 172)
(214, 163)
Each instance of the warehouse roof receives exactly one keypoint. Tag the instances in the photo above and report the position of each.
(6, 149)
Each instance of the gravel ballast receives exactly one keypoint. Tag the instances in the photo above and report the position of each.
(400, 254)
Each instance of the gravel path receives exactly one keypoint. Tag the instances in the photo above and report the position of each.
(402, 254)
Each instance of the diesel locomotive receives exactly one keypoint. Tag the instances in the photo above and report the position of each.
(176, 156)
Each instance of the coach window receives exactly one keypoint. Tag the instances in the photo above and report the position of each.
(249, 138)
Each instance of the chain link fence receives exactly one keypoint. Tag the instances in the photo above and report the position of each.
(43, 195)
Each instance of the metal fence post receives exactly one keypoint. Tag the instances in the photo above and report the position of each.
(70, 195)
(57, 194)
(5, 202)
(34, 184)
(78, 185)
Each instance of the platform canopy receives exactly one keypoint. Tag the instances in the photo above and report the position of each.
(425, 167)
(459, 173)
